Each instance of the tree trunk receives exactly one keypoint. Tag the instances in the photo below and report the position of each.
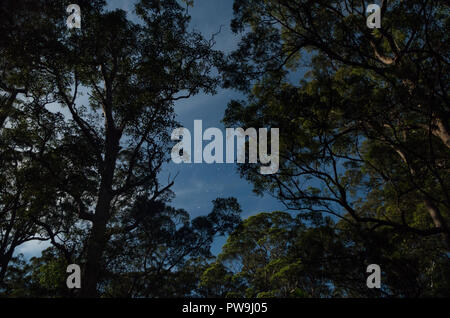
(3, 266)
(98, 238)
(438, 220)
(6, 108)
(4, 261)
(442, 132)
(433, 210)
(96, 246)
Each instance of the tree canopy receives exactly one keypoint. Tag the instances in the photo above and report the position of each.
(364, 121)
(365, 133)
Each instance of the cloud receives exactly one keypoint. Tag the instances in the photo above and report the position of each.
(32, 248)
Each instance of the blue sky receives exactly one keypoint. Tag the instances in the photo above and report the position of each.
(197, 185)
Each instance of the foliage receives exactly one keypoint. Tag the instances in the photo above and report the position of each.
(279, 255)
(365, 135)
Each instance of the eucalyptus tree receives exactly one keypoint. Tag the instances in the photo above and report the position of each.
(278, 254)
(115, 80)
(164, 256)
(364, 132)
(27, 129)
(134, 72)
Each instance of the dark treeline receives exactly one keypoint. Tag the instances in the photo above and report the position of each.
(85, 122)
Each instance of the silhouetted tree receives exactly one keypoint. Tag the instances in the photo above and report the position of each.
(364, 135)
(132, 73)
(279, 255)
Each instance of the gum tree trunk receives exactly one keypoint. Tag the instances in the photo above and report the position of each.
(98, 237)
